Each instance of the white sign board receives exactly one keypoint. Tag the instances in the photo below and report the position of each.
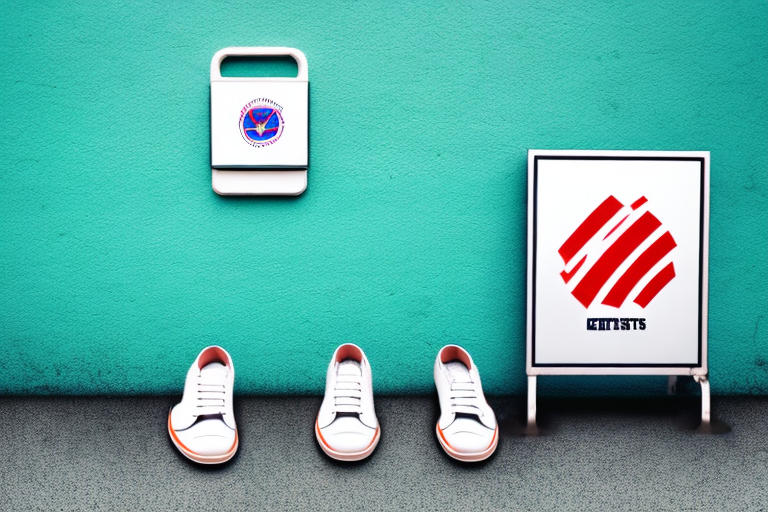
(617, 262)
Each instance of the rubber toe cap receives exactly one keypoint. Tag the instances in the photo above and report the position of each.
(468, 436)
(348, 435)
(208, 437)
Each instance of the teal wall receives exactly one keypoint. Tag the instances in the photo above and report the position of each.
(118, 262)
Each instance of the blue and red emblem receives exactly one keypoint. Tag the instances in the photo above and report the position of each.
(261, 122)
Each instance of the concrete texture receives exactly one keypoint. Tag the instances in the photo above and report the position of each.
(118, 263)
(633, 454)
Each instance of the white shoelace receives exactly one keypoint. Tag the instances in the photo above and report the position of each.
(211, 392)
(463, 395)
(348, 392)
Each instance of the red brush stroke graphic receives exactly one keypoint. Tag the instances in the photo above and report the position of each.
(638, 269)
(568, 275)
(596, 220)
(654, 287)
(615, 254)
(616, 226)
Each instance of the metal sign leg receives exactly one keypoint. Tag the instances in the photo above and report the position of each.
(531, 428)
(705, 404)
(672, 385)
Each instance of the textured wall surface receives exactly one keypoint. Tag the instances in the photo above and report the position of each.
(118, 262)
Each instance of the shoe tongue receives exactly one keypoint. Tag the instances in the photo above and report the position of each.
(457, 372)
(214, 370)
(349, 368)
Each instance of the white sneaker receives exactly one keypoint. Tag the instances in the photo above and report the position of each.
(467, 428)
(346, 427)
(202, 425)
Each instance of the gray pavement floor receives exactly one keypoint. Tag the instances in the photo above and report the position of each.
(113, 453)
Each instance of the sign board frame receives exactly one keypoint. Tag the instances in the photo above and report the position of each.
(549, 175)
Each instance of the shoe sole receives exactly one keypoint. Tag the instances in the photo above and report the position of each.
(468, 457)
(343, 456)
(196, 457)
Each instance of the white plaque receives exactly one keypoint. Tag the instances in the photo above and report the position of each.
(259, 128)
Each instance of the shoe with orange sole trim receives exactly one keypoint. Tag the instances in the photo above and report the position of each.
(202, 426)
(467, 428)
(346, 427)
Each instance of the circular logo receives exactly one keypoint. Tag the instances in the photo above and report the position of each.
(261, 122)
